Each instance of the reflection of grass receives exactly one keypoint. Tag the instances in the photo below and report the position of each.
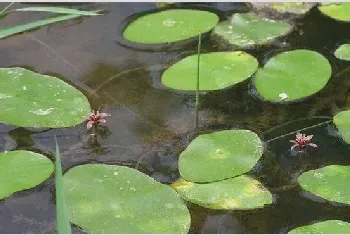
(62, 220)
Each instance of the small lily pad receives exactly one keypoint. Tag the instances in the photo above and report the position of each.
(248, 29)
(328, 182)
(324, 227)
(342, 122)
(338, 11)
(289, 73)
(30, 99)
(239, 193)
(170, 26)
(117, 199)
(20, 170)
(218, 70)
(220, 155)
(343, 52)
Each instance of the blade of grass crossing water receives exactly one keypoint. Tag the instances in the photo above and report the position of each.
(59, 10)
(62, 215)
(24, 27)
(197, 87)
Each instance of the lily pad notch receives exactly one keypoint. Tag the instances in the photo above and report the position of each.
(169, 26)
(295, 74)
(30, 99)
(245, 30)
(219, 70)
(22, 170)
(122, 200)
(220, 155)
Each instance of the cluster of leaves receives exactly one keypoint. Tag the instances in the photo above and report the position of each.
(213, 167)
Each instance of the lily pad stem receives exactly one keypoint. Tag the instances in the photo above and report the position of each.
(290, 133)
(197, 88)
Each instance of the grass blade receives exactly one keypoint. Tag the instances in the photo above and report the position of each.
(24, 27)
(60, 10)
(197, 87)
(62, 216)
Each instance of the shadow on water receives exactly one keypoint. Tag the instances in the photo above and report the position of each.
(151, 125)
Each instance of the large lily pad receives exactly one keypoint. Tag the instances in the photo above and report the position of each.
(30, 99)
(218, 70)
(289, 73)
(338, 11)
(170, 26)
(239, 193)
(342, 122)
(116, 199)
(324, 227)
(328, 182)
(220, 155)
(20, 170)
(248, 29)
(343, 52)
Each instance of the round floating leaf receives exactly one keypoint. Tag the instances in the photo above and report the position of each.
(220, 155)
(342, 122)
(218, 70)
(298, 74)
(343, 52)
(249, 29)
(116, 199)
(324, 227)
(239, 193)
(170, 26)
(338, 11)
(30, 99)
(22, 170)
(328, 182)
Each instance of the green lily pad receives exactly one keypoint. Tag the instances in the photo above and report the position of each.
(239, 193)
(324, 227)
(220, 155)
(22, 170)
(328, 182)
(117, 199)
(338, 11)
(342, 122)
(248, 29)
(218, 70)
(30, 99)
(170, 26)
(289, 73)
(343, 52)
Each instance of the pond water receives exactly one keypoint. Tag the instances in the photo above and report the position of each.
(151, 125)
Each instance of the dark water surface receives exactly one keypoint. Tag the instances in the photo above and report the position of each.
(151, 125)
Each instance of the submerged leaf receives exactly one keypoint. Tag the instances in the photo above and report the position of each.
(298, 74)
(218, 70)
(338, 11)
(342, 122)
(117, 199)
(20, 170)
(324, 227)
(248, 29)
(30, 99)
(343, 52)
(220, 155)
(328, 182)
(239, 193)
(170, 26)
